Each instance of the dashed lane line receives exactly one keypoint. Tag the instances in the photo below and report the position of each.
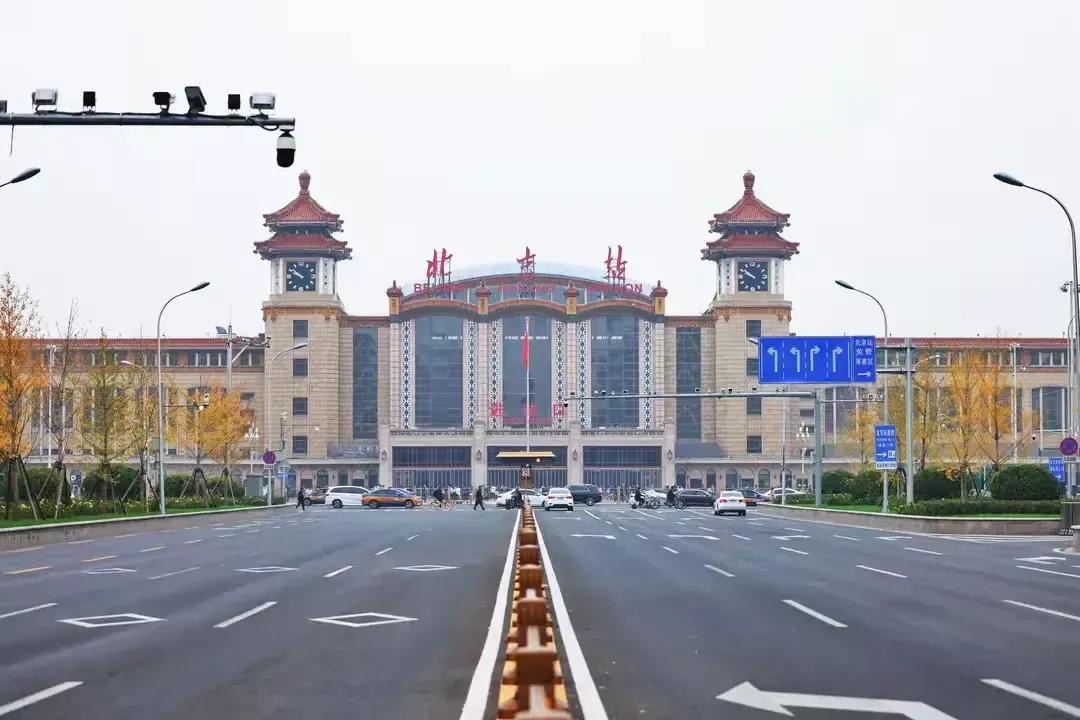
(38, 697)
(99, 557)
(21, 550)
(411, 537)
(153, 549)
(718, 571)
(253, 531)
(226, 535)
(673, 552)
(23, 571)
(622, 528)
(593, 515)
(754, 522)
(702, 527)
(1048, 572)
(815, 614)
(383, 551)
(1048, 611)
(338, 571)
(125, 535)
(192, 542)
(13, 613)
(882, 572)
(245, 615)
(741, 537)
(641, 536)
(846, 537)
(80, 542)
(793, 550)
(1070, 710)
(799, 530)
(177, 572)
(925, 552)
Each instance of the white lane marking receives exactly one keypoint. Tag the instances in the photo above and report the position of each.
(679, 522)
(383, 551)
(338, 571)
(608, 522)
(275, 527)
(920, 550)
(80, 542)
(245, 615)
(741, 537)
(606, 537)
(13, 613)
(622, 528)
(100, 557)
(125, 535)
(22, 550)
(702, 527)
(265, 569)
(1048, 611)
(177, 572)
(815, 614)
(883, 572)
(846, 537)
(114, 620)
(642, 512)
(38, 697)
(592, 514)
(793, 550)
(23, 571)
(192, 542)
(641, 536)
(253, 531)
(1070, 710)
(673, 552)
(411, 537)
(725, 573)
(592, 708)
(193, 527)
(227, 535)
(429, 529)
(754, 522)
(477, 697)
(795, 529)
(152, 549)
(1049, 572)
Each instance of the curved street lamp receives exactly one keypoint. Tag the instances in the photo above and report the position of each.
(24, 175)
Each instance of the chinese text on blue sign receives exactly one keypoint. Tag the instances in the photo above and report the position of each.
(1056, 465)
(885, 447)
(839, 360)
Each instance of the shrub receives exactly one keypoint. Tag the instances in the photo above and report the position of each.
(976, 506)
(838, 499)
(835, 481)
(1025, 482)
(865, 488)
(931, 483)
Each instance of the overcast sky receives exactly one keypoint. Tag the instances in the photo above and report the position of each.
(568, 126)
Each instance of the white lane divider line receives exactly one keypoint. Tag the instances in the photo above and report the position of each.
(592, 708)
(411, 537)
(13, 613)
(192, 542)
(717, 570)
(1048, 572)
(741, 537)
(1070, 710)
(641, 536)
(793, 550)
(99, 557)
(1048, 611)
(177, 572)
(622, 528)
(883, 572)
(679, 522)
(245, 615)
(846, 537)
(754, 522)
(702, 527)
(125, 535)
(80, 542)
(795, 529)
(23, 571)
(673, 552)
(383, 551)
(338, 571)
(592, 515)
(815, 614)
(153, 549)
(608, 522)
(253, 531)
(227, 535)
(38, 697)
(920, 550)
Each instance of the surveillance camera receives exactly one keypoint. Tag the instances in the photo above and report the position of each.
(286, 149)
(262, 101)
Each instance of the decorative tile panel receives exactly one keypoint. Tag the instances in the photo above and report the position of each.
(495, 395)
(584, 373)
(471, 394)
(558, 374)
(645, 372)
(408, 361)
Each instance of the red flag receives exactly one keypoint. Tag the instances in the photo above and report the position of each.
(525, 346)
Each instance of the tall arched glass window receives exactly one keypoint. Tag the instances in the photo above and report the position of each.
(615, 370)
(539, 393)
(731, 479)
(439, 364)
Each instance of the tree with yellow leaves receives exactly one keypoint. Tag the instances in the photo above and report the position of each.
(22, 375)
(965, 413)
(858, 435)
(227, 420)
(105, 412)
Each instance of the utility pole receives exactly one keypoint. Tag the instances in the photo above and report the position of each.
(909, 440)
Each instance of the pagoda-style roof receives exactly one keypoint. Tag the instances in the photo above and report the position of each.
(303, 227)
(749, 227)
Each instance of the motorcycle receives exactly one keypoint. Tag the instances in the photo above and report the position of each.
(646, 502)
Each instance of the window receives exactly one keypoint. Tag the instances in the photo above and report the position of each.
(299, 445)
(603, 456)
(806, 412)
(439, 372)
(1048, 358)
(753, 328)
(751, 367)
(428, 456)
(247, 396)
(753, 444)
(299, 367)
(614, 369)
(513, 368)
(688, 380)
(753, 406)
(322, 478)
(299, 329)
(365, 379)
(299, 406)
(1050, 407)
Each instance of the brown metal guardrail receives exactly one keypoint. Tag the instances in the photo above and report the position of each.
(532, 681)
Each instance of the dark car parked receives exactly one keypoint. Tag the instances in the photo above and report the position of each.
(585, 494)
(692, 497)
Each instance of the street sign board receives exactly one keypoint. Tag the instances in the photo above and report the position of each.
(1056, 466)
(1069, 446)
(885, 447)
(269, 458)
(842, 360)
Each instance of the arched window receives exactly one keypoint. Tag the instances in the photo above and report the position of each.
(322, 478)
(513, 368)
(731, 479)
(764, 477)
(680, 478)
(710, 480)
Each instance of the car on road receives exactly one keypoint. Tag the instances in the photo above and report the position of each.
(654, 494)
(752, 497)
(694, 498)
(390, 497)
(317, 496)
(730, 501)
(586, 494)
(534, 498)
(342, 495)
(776, 494)
(558, 497)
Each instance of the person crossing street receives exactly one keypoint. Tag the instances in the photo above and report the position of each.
(479, 498)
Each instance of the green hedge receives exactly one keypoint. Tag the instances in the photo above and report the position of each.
(1025, 482)
(975, 506)
(833, 499)
(836, 481)
(932, 484)
(85, 507)
(865, 488)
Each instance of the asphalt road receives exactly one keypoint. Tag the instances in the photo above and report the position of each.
(244, 619)
(801, 610)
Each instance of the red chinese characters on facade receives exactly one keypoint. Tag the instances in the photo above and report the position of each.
(496, 409)
(438, 267)
(558, 412)
(527, 263)
(615, 266)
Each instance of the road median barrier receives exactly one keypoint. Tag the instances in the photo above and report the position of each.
(934, 524)
(532, 681)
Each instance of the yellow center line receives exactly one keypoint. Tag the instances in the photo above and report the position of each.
(28, 570)
(100, 557)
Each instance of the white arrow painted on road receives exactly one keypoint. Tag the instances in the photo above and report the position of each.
(703, 537)
(777, 702)
(790, 537)
(609, 537)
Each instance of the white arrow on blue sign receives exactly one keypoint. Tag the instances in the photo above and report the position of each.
(841, 360)
(885, 447)
(1056, 466)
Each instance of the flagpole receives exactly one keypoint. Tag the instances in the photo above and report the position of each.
(528, 413)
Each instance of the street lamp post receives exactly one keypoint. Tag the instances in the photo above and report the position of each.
(161, 399)
(24, 175)
(266, 413)
(885, 401)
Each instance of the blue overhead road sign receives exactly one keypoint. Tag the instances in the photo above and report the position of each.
(885, 447)
(820, 360)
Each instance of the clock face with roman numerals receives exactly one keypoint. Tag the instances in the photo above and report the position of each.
(300, 276)
(753, 276)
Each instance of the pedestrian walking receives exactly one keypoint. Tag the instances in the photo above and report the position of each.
(479, 499)
(300, 499)
(423, 494)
